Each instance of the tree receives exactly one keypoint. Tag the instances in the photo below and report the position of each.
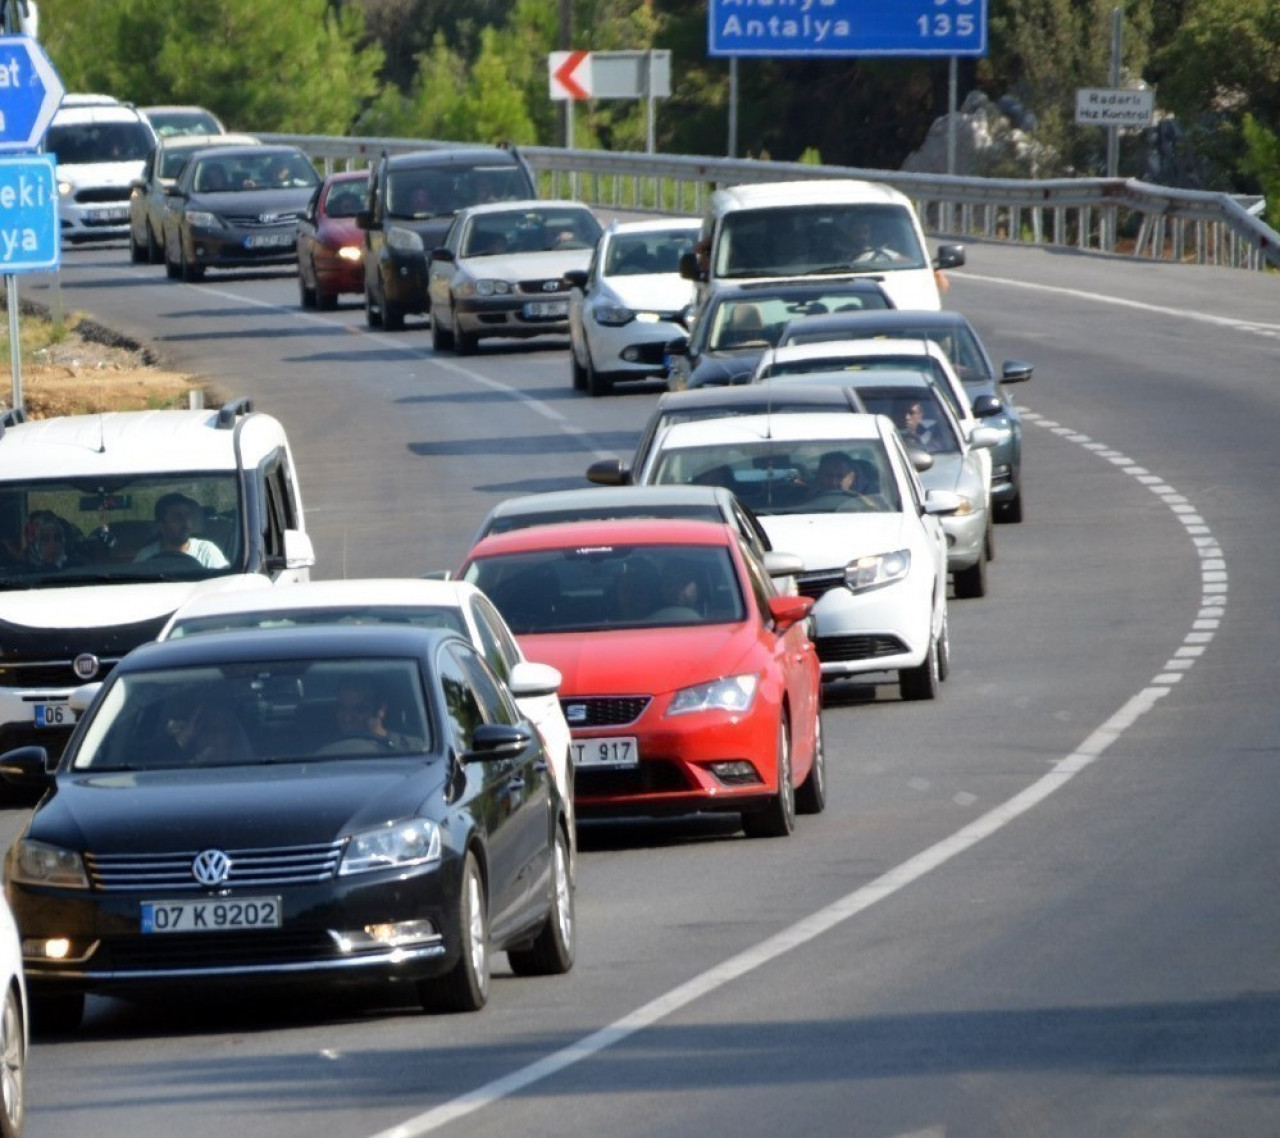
(295, 67)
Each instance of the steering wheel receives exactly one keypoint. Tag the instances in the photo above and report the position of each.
(352, 745)
(175, 558)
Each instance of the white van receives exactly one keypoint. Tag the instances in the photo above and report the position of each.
(824, 227)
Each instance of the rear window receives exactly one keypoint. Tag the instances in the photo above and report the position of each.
(432, 191)
(81, 144)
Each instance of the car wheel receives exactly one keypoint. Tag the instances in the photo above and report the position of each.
(441, 338)
(392, 316)
(172, 269)
(189, 272)
(552, 951)
(465, 988)
(306, 296)
(13, 1067)
(325, 301)
(1010, 511)
(579, 372)
(155, 251)
(137, 251)
(972, 582)
(811, 795)
(944, 649)
(56, 1014)
(778, 818)
(921, 682)
(372, 316)
(598, 383)
(464, 343)
(989, 542)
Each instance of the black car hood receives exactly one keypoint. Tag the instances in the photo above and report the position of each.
(432, 230)
(233, 807)
(242, 203)
(724, 369)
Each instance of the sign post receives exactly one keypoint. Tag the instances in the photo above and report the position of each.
(578, 75)
(30, 239)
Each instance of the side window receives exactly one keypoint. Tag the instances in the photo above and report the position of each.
(280, 504)
(461, 706)
(495, 703)
(761, 586)
(749, 526)
(500, 651)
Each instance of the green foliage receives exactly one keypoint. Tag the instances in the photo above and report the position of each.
(293, 67)
(1262, 159)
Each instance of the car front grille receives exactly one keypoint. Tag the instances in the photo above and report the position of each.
(846, 649)
(250, 868)
(48, 674)
(540, 287)
(222, 951)
(94, 194)
(255, 221)
(816, 584)
(655, 776)
(603, 711)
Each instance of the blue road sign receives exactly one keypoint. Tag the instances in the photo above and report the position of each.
(30, 92)
(30, 239)
(812, 28)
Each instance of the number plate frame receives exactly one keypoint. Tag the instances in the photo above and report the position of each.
(46, 715)
(210, 915)
(546, 309)
(269, 240)
(611, 752)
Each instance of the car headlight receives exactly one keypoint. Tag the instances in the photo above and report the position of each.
(397, 846)
(876, 570)
(36, 863)
(732, 693)
(404, 240)
(65, 189)
(966, 506)
(489, 287)
(203, 219)
(350, 252)
(612, 315)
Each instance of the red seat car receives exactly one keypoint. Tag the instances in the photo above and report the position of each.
(689, 683)
(330, 244)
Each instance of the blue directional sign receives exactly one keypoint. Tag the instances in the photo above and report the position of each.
(30, 92)
(812, 28)
(30, 238)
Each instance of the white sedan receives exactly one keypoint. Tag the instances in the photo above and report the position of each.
(629, 305)
(501, 270)
(434, 604)
(874, 553)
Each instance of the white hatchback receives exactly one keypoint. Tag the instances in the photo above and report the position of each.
(875, 559)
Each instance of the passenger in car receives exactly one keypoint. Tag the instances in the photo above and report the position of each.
(176, 516)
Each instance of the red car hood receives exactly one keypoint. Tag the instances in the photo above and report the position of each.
(643, 660)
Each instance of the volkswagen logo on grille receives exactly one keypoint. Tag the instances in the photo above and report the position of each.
(85, 666)
(268, 218)
(575, 713)
(211, 867)
(550, 286)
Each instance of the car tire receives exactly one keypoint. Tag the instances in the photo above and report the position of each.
(989, 542)
(921, 682)
(56, 1014)
(972, 582)
(811, 795)
(325, 301)
(1010, 511)
(189, 272)
(464, 343)
(598, 383)
(578, 371)
(944, 649)
(13, 1066)
(465, 987)
(778, 818)
(392, 317)
(372, 316)
(441, 338)
(172, 269)
(155, 250)
(553, 949)
(137, 251)
(306, 296)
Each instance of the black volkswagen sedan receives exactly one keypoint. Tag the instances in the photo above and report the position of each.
(312, 805)
(236, 207)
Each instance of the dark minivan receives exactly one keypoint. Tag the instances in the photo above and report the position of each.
(412, 200)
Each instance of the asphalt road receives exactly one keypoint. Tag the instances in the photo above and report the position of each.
(1043, 905)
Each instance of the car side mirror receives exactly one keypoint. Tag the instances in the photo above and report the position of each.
(949, 257)
(984, 438)
(497, 741)
(786, 611)
(443, 255)
(984, 406)
(26, 766)
(1015, 371)
(576, 278)
(299, 553)
(921, 460)
(780, 564)
(174, 192)
(677, 347)
(690, 270)
(531, 679)
(609, 472)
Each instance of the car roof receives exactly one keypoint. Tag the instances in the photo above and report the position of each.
(300, 644)
(788, 287)
(453, 156)
(347, 176)
(206, 141)
(838, 349)
(311, 595)
(655, 225)
(795, 427)
(742, 395)
(134, 442)
(833, 380)
(79, 114)
(605, 497)
(806, 192)
(255, 150)
(523, 204)
(611, 531)
(870, 322)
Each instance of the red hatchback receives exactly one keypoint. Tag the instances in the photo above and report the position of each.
(689, 683)
(330, 244)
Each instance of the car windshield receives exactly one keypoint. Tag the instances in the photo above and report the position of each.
(61, 532)
(602, 587)
(530, 231)
(418, 616)
(916, 413)
(172, 159)
(758, 319)
(805, 239)
(652, 251)
(346, 198)
(169, 123)
(256, 714)
(79, 144)
(435, 191)
(774, 476)
(236, 173)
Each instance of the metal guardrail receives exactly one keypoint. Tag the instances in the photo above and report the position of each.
(1106, 215)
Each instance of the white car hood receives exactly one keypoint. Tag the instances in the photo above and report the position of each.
(101, 606)
(831, 541)
(101, 173)
(653, 292)
(528, 266)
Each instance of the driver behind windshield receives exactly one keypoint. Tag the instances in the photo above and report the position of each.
(176, 516)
